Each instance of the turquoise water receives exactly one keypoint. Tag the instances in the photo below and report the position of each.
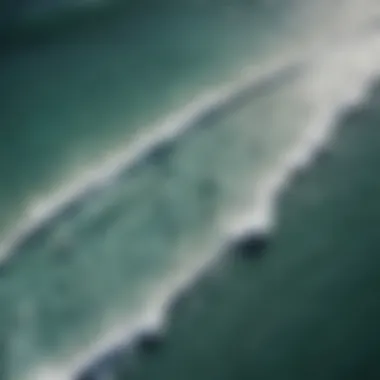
(309, 308)
(137, 144)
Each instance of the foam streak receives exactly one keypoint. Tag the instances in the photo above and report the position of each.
(211, 104)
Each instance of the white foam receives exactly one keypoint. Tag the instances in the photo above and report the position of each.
(337, 80)
(151, 317)
(42, 210)
(342, 91)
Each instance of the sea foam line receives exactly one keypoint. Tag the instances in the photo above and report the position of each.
(333, 89)
(168, 130)
(350, 72)
(337, 82)
(332, 99)
(151, 318)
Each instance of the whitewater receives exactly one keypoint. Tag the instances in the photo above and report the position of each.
(321, 75)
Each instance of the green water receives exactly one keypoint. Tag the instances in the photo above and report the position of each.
(74, 97)
(310, 308)
(93, 253)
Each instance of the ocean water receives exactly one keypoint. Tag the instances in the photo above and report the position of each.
(140, 141)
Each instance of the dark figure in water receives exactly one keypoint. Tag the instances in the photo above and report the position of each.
(148, 342)
(161, 152)
(251, 245)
